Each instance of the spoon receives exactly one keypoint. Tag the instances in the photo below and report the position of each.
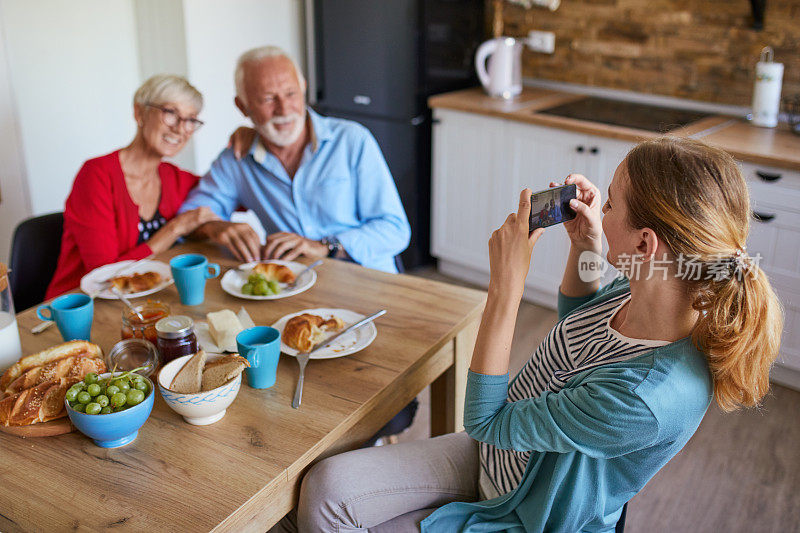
(127, 302)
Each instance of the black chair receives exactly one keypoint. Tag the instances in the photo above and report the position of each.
(620, 527)
(34, 255)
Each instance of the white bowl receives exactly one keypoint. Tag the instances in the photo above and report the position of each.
(200, 408)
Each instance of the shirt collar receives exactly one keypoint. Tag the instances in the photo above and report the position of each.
(319, 132)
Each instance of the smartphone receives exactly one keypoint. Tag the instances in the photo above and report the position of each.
(551, 206)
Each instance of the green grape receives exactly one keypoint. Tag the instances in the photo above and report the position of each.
(274, 287)
(124, 386)
(80, 407)
(112, 390)
(261, 288)
(93, 408)
(247, 288)
(94, 389)
(134, 397)
(102, 399)
(105, 410)
(84, 397)
(72, 394)
(140, 385)
(79, 386)
(119, 399)
(255, 278)
(90, 378)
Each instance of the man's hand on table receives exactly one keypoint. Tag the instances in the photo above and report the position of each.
(289, 246)
(238, 237)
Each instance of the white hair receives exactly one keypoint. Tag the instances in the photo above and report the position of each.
(257, 54)
(168, 88)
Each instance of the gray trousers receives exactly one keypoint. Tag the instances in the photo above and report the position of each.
(385, 489)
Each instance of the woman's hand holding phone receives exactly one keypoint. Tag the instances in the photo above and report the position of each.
(586, 229)
(510, 249)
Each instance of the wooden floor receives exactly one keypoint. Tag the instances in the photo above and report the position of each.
(740, 472)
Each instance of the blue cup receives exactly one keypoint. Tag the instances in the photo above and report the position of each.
(190, 272)
(73, 315)
(261, 346)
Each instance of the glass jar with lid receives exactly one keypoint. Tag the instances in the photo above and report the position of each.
(176, 337)
(135, 327)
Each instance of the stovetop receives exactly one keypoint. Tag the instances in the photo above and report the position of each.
(627, 114)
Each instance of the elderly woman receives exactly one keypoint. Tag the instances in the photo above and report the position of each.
(123, 205)
(616, 388)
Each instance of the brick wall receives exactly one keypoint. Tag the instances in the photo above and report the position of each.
(698, 49)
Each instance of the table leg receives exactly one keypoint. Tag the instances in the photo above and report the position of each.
(448, 390)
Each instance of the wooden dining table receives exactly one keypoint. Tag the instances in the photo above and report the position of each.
(243, 472)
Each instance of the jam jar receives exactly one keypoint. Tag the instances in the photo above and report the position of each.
(135, 327)
(176, 337)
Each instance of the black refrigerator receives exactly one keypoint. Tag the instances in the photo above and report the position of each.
(376, 62)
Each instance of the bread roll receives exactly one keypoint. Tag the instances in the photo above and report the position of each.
(74, 368)
(275, 272)
(67, 349)
(305, 331)
(38, 404)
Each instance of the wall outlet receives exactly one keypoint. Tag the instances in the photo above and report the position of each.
(542, 41)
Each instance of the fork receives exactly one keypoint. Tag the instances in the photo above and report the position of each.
(302, 360)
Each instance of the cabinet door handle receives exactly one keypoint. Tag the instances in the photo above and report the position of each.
(580, 149)
(768, 176)
(594, 149)
(762, 217)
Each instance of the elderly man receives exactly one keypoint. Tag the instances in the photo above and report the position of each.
(319, 185)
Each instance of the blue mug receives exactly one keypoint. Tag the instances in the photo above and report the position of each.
(261, 346)
(190, 272)
(73, 315)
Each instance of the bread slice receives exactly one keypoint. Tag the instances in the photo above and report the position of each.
(189, 378)
(218, 373)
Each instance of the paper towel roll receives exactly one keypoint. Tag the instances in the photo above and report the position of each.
(767, 93)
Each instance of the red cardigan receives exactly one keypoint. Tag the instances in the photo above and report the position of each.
(101, 222)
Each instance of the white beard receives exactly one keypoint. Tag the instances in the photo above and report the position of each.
(287, 137)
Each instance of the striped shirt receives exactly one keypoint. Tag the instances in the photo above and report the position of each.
(583, 340)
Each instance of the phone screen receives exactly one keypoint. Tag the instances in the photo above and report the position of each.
(551, 206)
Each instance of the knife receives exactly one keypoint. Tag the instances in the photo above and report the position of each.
(354, 327)
(302, 357)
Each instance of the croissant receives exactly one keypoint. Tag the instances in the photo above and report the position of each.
(137, 282)
(305, 331)
(275, 272)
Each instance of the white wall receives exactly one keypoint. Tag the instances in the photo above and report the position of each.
(68, 71)
(14, 202)
(216, 34)
(73, 68)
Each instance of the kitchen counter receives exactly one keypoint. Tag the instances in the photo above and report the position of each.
(767, 146)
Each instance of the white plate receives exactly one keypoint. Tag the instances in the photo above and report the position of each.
(92, 282)
(353, 342)
(233, 280)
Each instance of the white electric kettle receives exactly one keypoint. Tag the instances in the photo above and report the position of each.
(503, 76)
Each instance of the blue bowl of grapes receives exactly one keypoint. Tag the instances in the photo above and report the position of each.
(110, 408)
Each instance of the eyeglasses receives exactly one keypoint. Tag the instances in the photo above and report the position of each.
(171, 118)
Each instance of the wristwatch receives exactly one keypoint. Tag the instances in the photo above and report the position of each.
(333, 245)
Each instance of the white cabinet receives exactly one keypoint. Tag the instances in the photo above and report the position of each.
(775, 236)
(480, 164)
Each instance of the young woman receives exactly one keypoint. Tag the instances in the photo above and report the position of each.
(123, 205)
(617, 387)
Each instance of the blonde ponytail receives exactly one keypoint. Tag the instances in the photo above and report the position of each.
(696, 200)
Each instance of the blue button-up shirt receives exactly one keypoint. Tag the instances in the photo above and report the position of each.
(342, 189)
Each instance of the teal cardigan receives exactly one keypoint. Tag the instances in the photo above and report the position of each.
(593, 445)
